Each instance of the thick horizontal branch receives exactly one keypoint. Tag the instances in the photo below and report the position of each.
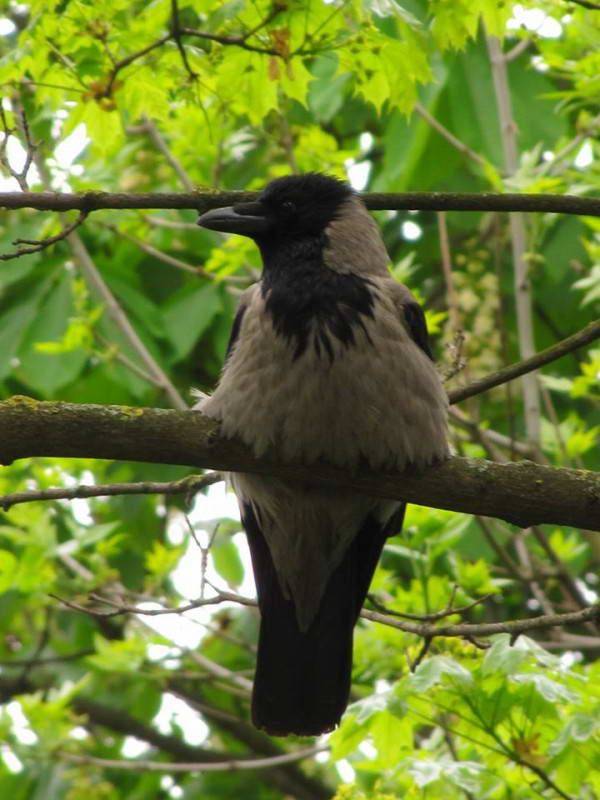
(203, 201)
(523, 493)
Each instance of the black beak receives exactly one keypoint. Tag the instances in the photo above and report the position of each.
(247, 219)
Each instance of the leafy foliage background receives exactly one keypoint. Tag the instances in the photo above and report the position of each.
(246, 91)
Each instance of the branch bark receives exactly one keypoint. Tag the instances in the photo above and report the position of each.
(375, 201)
(522, 493)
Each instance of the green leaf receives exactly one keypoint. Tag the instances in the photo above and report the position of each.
(8, 570)
(226, 560)
(103, 127)
(474, 578)
(294, 79)
(326, 91)
(592, 284)
(188, 315)
(47, 372)
(425, 771)
(431, 672)
(550, 690)
(14, 324)
(161, 560)
(392, 737)
(117, 656)
(578, 729)
(507, 658)
(466, 775)
(348, 736)
(138, 305)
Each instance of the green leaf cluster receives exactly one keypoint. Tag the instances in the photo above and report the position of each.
(135, 297)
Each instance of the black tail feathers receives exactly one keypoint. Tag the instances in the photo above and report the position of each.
(302, 680)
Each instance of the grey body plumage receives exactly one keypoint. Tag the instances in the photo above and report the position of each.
(328, 361)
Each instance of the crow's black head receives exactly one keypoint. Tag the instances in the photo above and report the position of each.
(292, 207)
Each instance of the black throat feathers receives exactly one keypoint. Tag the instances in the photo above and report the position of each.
(302, 294)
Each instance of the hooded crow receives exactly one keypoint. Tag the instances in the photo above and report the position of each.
(328, 360)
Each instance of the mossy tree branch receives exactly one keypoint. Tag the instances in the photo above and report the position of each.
(522, 493)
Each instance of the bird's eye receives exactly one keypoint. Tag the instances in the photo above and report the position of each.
(288, 207)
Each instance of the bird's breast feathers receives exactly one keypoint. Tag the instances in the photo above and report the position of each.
(345, 383)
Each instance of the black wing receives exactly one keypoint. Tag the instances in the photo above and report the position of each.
(235, 330)
(417, 327)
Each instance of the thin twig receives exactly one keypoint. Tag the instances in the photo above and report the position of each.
(242, 41)
(176, 33)
(480, 629)
(188, 486)
(121, 320)
(42, 244)
(120, 609)
(450, 137)
(153, 251)
(41, 660)
(204, 551)
(586, 4)
(577, 598)
(176, 224)
(519, 48)
(589, 129)
(30, 147)
(125, 62)
(43, 641)
(553, 417)
(502, 553)
(114, 352)
(425, 630)
(150, 128)
(458, 361)
(449, 611)
(220, 671)
(518, 238)
(427, 640)
(446, 260)
(502, 440)
(76, 568)
(527, 569)
(588, 334)
(193, 766)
